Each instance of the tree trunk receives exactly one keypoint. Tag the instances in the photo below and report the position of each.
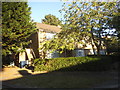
(107, 47)
(98, 51)
(93, 46)
(13, 56)
(93, 49)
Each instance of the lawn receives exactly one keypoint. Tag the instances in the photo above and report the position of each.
(63, 80)
(72, 72)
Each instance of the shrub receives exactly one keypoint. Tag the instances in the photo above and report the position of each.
(115, 53)
(73, 64)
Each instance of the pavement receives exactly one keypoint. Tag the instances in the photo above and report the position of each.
(9, 73)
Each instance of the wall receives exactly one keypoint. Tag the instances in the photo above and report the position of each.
(52, 55)
(49, 36)
(78, 53)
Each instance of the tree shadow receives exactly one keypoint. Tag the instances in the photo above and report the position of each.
(24, 72)
(55, 80)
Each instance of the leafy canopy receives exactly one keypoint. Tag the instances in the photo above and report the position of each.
(51, 20)
(84, 21)
(16, 26)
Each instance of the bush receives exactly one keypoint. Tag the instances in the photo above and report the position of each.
(115, 54)
(94, 63)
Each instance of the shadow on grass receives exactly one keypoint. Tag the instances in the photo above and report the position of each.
(79, 76)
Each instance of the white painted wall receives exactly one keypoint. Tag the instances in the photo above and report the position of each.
(21, 56)
(102, 52)
(92, 52)
(49, 35)
(79, 53)
(52, 55)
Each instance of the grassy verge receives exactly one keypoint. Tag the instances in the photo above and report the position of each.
(63, 80)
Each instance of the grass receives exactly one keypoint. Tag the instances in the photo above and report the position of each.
(69, 77)
(68, 73)
(63, 80)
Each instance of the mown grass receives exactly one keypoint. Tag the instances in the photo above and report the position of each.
(63, 80)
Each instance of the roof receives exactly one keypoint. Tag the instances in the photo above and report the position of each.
(48, 28)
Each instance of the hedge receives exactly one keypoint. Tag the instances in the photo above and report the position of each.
(74, 64)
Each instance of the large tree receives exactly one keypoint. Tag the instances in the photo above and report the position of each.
(90, 19)
(113, 43)
(114, 22)
(84, 21)
(51, 20)
(16, 27)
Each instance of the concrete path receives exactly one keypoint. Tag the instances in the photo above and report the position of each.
(10, 73)
(14, 72)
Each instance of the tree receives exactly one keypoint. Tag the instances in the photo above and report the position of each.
(91, 20)
(16, 27)
(113, 43)
(114, 22)
(84, 21)
(51, 20)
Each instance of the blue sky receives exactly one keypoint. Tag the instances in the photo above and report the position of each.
(40, 9)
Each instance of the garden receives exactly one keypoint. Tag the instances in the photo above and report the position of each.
(89, 63)
(95, 23)
(71, 72)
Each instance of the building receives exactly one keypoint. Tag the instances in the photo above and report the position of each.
(46, 32)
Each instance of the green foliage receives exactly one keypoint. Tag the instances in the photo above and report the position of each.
(16, 27)
(112, 44)
(90, 19)
(83, 21)
(116, 54)
(114, 22)
(51, 20)
(40, 64)
(74, 64)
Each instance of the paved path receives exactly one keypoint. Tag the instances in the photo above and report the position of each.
(10, 73)
(14, 72)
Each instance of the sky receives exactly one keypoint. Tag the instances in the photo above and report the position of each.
(40, 9)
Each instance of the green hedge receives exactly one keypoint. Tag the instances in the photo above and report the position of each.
(74, 64)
